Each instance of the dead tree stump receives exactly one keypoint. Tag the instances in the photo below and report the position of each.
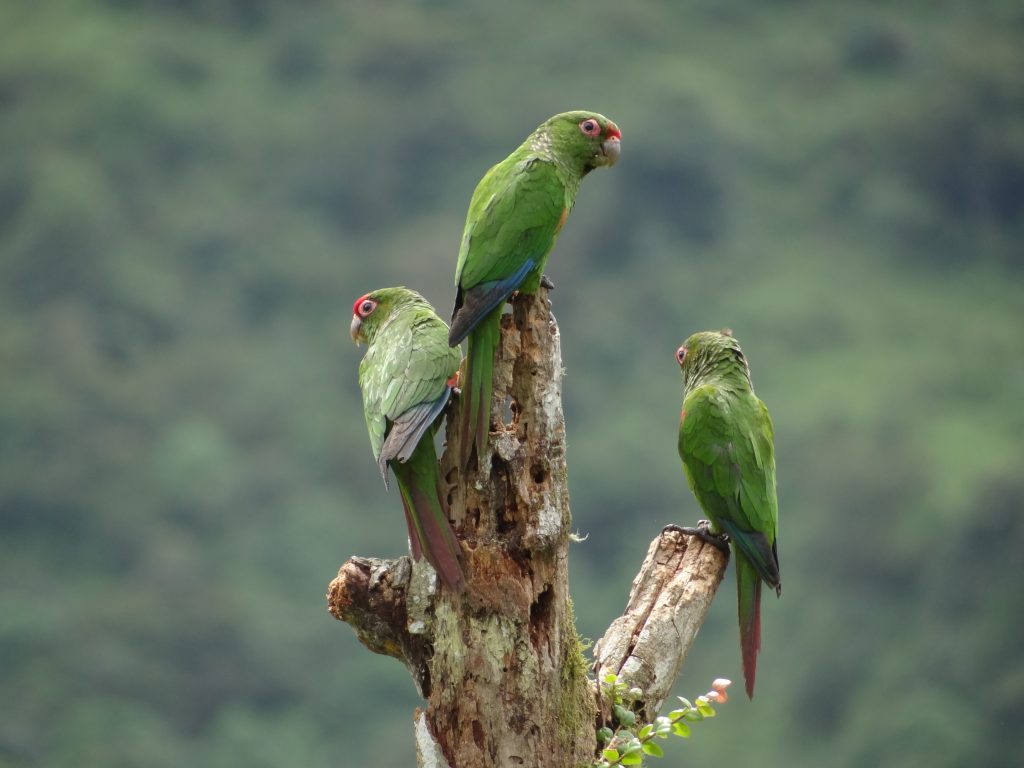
(501, 666)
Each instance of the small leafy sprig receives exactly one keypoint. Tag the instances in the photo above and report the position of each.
(631, 741)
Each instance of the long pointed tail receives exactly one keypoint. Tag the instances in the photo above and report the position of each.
(474, 418)
(748, 588)
(426, 513)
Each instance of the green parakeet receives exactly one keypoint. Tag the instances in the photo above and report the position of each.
(726, 444)
(514, 218)
(406, 377)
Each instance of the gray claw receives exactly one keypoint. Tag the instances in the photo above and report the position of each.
(703, 532)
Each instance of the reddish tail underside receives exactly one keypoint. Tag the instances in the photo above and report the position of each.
(748, 586)
(426, 515)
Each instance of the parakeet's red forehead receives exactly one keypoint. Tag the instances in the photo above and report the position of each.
(613, 131)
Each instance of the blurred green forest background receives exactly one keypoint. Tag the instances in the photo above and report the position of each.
(192, 193)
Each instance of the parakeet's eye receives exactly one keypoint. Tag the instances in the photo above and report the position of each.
(681, 354)
(364, 307)
(590, 127)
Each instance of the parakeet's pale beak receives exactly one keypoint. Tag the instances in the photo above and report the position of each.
(610, 148)
(353, 330)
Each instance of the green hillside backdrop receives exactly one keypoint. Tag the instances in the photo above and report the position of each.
(193, 193)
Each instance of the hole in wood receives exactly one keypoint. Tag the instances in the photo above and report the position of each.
(540, 617)
(539, 473)
(423, 677)
(449, 479)
(505, 521)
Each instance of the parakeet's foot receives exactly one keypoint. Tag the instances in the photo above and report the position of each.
(545, 281)
(703, 532)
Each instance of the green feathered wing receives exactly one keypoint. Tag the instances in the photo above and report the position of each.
(726, 443)
(514, 218)
(404, 377)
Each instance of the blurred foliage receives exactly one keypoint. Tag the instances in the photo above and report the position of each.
(193, 192)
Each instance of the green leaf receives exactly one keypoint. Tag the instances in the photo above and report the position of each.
(611, 678)
(652, 748)
(636, 758)
(686, 703)
(675, 714)
(692, 714)
(611, 754)
(681, 729)
(645, 732)
(706, 709)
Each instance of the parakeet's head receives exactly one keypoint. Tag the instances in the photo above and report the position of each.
(710, 352)
(585, 139)
(373, 309)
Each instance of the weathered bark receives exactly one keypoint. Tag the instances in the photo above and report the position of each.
(671, 595)
(501, 666)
